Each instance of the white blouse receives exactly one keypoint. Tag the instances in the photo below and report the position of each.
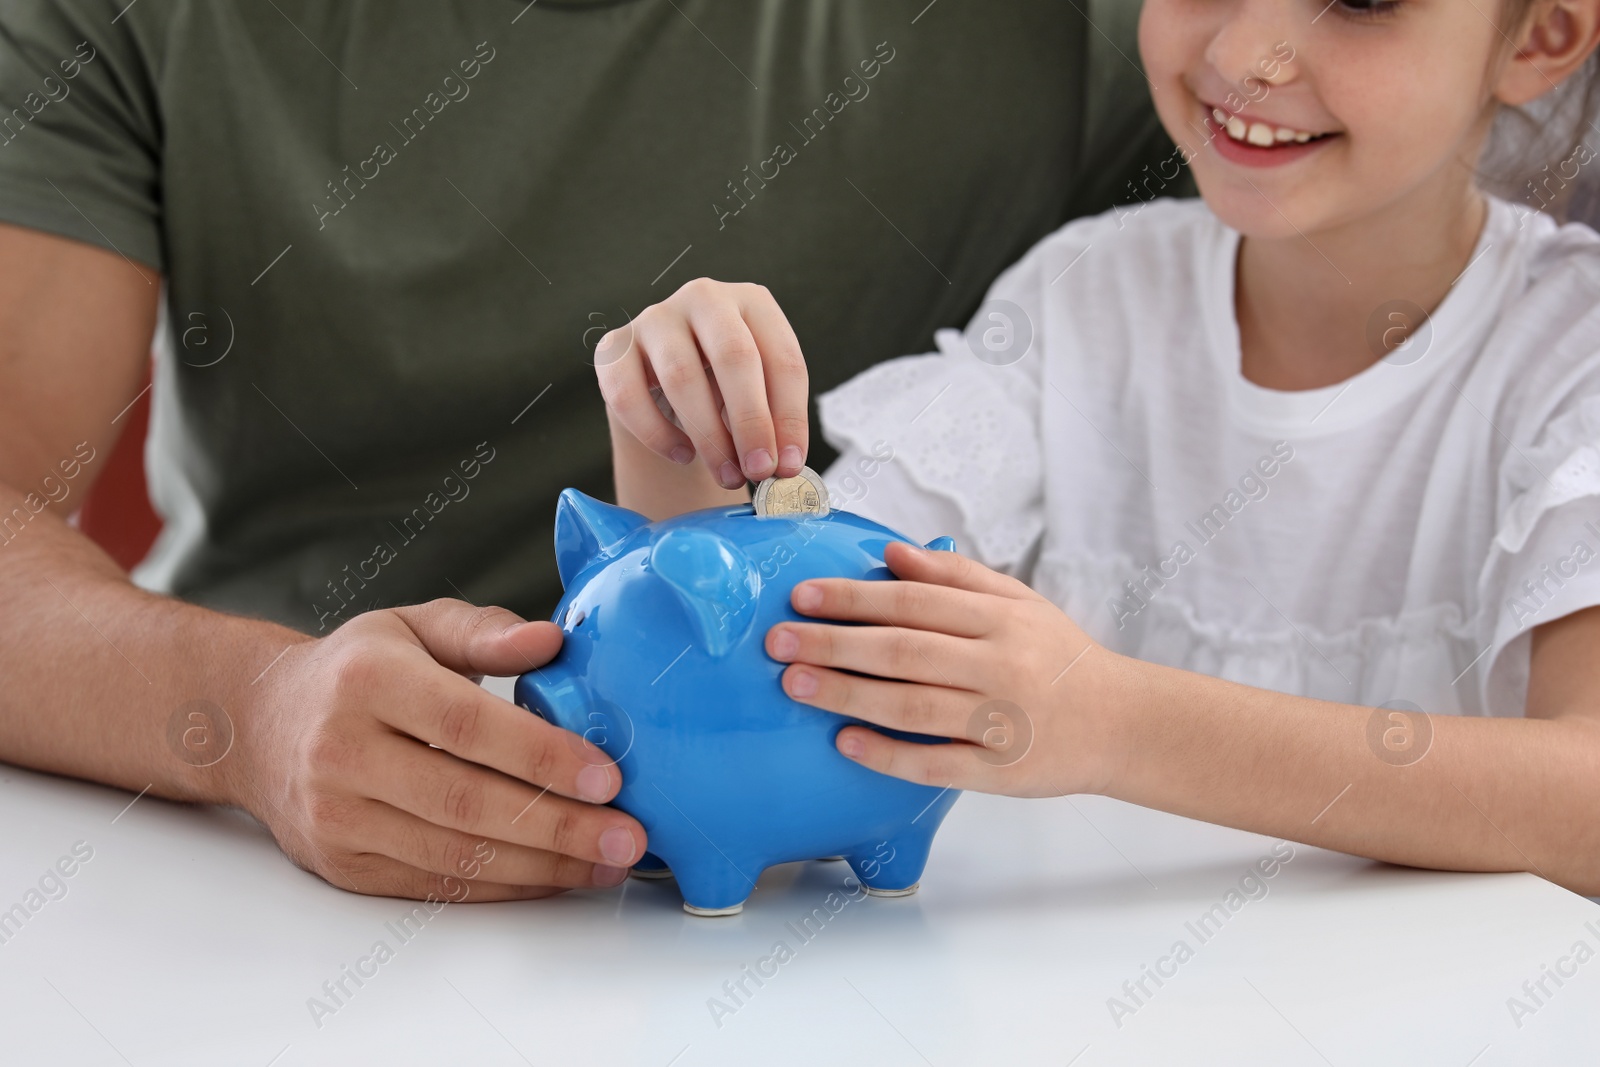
(1391, 538)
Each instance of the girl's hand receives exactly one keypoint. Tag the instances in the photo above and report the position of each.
(956, 650)
(727, 368)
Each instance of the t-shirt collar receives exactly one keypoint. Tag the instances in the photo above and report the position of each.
(1457, 326)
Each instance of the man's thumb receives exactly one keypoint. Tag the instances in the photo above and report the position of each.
(477, 641)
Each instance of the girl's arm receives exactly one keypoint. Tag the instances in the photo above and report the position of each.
(729, 367)
(963, 652)
(1461, 793)
(659, 488)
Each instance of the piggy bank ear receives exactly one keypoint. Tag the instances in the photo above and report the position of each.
(587, 528)
(714, 580)
(942, 544)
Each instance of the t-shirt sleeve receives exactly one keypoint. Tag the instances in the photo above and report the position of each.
(79, 126)
(947, 443)
(1544, 562)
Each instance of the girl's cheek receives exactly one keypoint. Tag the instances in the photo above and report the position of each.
(1165, 27)
(1159, 23)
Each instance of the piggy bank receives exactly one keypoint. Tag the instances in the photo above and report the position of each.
(663, 667)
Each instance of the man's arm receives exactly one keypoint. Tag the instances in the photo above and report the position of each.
(69, 363)
(331, 737)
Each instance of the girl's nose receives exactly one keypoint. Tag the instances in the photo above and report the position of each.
(1250, 46)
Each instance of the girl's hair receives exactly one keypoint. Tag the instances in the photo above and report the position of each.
(1539, 153)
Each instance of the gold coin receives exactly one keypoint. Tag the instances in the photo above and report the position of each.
(804, 494)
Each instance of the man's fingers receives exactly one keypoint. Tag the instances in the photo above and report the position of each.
(439, 850)
(383, 876)
(451, 793)
(477, 641)
(447, 710)
(736, 360)
(784, 368)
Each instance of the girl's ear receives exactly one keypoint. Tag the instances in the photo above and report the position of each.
(1555, 39)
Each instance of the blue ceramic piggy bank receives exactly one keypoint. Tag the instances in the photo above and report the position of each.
(664, 668)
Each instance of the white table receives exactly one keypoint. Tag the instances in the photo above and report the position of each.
(188, 939)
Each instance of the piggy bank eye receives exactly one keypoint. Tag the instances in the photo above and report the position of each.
(575, 616)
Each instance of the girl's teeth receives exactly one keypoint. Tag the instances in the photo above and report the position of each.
(1258, 133)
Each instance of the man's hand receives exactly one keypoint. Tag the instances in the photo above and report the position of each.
(380, 764)
(331, 743)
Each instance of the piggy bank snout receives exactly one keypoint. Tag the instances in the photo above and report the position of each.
(563, 702)
(607, 727)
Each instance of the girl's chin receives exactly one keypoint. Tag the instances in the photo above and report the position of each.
(1254, 211)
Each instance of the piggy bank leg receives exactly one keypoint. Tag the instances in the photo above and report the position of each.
(713, 884)
(650, 866)
(893, 868)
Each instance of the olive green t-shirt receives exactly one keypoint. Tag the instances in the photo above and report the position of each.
(392, 233)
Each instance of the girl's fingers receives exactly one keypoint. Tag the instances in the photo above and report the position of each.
(954, 765)
(953, 570)
(885, 651)
(915, 604)
(728, 364)
(418, 843)
(736, 361)
(786, 379)
(934, 710)
(675, 358)
(626, 390)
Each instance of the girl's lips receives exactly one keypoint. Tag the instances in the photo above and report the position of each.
(1250, 155)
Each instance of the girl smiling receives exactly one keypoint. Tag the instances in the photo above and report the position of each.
(1280, 510)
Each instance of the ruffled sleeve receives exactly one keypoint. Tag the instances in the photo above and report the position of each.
(948, 442)
(1544, 562)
